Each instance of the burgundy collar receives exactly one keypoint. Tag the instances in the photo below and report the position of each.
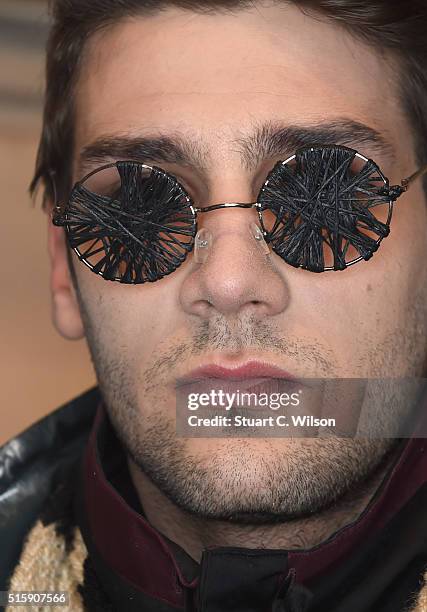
(137, 552)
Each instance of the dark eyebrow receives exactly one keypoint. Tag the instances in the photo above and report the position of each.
(161, 149)
(269, 140)
(273, 140)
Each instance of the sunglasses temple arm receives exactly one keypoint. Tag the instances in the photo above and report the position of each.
(395, 191)
(57, 216)
(407, 181)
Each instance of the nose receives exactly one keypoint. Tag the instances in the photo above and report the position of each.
(237, 277)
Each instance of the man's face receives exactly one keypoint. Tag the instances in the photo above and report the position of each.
(221, 84)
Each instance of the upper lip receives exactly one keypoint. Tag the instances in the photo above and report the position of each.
(244, 371)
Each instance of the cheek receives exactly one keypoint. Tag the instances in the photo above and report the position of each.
(128, 321)
(373, 315)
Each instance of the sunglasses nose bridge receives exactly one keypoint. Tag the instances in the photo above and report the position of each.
(242, 226)
(227, 216)
(224, 205)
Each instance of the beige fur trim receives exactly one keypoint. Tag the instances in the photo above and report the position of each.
(45, 566)
(421, 605)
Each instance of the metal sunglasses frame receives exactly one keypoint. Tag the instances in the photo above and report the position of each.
(392, 192)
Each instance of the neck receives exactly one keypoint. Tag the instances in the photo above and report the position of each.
(194, 534)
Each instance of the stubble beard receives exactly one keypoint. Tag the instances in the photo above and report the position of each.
(235, 481)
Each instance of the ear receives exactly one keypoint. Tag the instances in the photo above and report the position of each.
(65, 308)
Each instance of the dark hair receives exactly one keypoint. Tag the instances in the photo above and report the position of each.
(388, 25)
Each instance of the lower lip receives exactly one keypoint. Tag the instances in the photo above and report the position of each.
(245, 385)
(250, 370)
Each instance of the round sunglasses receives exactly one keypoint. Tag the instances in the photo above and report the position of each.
(324, 208)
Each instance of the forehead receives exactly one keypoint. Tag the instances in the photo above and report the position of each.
(213, 76)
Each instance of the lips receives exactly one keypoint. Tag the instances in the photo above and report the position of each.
(252, 370)
(252, 376)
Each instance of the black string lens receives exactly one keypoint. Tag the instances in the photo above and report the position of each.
(325, 208)
(130, 223)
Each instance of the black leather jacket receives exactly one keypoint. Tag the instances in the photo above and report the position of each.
(31, 465)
